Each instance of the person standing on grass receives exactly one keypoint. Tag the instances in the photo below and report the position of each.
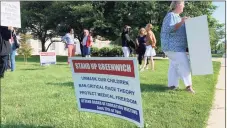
(81, 42)
(150, 47)
(127, 42)
(87, 43)
(14, 45)
(5, 48)
(174, 45)
(70, 43)
(141, 45)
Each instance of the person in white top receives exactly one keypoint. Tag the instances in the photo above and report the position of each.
(150, 47)
(87, 43)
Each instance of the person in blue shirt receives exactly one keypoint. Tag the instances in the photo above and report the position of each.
(70, 43)
(174, 45)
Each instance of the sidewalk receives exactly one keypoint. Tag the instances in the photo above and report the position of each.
(217, 113)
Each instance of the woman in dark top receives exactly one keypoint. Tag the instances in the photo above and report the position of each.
(127, 43)
(141, 45)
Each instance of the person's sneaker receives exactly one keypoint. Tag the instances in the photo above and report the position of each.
(172, 87)
(190, 89)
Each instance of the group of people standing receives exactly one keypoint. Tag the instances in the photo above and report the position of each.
(8, 45)
(86, 42)
(145, 45)
(173, 44)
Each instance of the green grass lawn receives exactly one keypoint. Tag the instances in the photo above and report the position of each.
(43, 97)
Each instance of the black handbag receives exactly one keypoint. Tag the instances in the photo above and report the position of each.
(17, 45)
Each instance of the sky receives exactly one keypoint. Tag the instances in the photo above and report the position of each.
(219, 13)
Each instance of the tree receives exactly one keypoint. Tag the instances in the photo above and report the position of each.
(107, 18)
(25, 49)
(46, 20)
(37, 19)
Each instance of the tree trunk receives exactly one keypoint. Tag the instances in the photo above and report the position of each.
(43, 47)
(43, 44)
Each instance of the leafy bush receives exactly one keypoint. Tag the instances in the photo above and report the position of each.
(116, 51)
(159, 50)
(104, 52)
(94, 51)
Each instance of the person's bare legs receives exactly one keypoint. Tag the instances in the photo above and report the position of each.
(152, 63)
(147, 67)
(73, 51)
(70, 51)
(145, 63)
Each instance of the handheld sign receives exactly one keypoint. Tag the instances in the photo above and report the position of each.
(10, 14)
(47, 58)
(199, 45)
(108, 86)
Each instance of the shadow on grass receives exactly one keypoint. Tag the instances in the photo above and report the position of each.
(65, 64)
(153, 88)
(70, 84)
(36, 59)
(23, 126)
(160, 88)
(32, 69)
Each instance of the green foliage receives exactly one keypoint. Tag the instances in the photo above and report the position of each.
(158, 50)
(38, 17)
(116, 52)
(107, 18)
(94, 51)
(25, 49)
(104, 52)
(107, 51)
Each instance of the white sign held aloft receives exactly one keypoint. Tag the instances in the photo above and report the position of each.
(109, 86)
(199, 45)
(10, 14)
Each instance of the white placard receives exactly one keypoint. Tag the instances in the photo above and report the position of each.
(10, 14)
(199, 45)
(109, 86)
(47, 58)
